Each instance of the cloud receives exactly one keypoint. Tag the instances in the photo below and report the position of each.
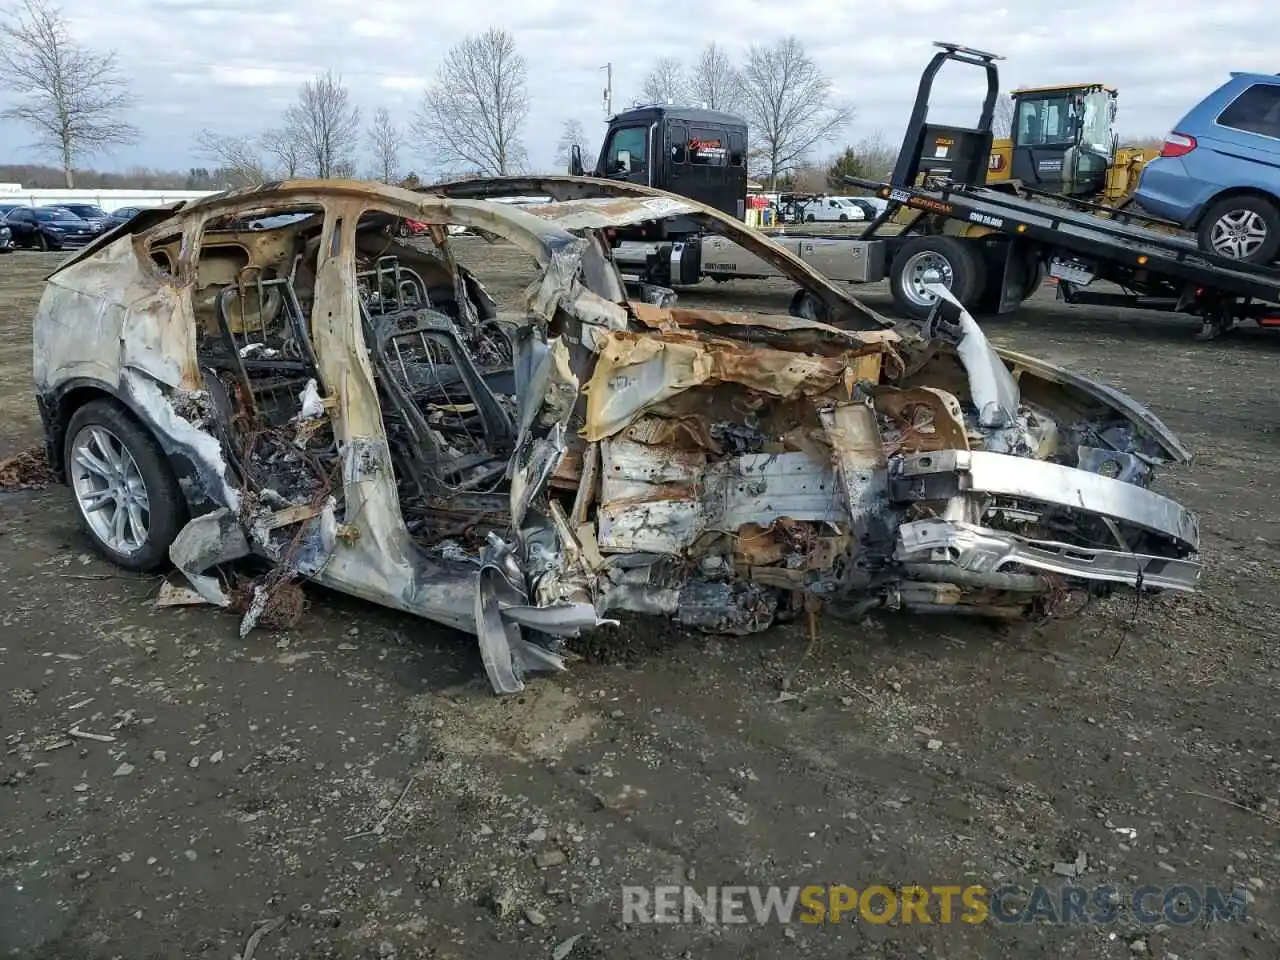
(414, 84)
(224, 76)
(374, 28)
(231, 64)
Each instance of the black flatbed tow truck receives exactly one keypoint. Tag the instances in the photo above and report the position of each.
(940, 174)
(993, 246)
(1156, 270)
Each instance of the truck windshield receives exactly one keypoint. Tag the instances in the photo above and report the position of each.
(1095, 130)
(630, 141)
(1045, 120)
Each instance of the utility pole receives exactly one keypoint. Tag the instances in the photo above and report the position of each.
(608, 89)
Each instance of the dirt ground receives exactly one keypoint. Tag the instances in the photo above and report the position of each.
(355, 780)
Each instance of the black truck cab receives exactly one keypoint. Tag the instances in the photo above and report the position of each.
(700, 154)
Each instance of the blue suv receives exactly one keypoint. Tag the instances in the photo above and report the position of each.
(1219, 171)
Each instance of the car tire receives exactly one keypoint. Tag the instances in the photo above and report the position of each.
(963, 272)
(810, 218)
(844, 218)
(112, 462)
(42, 241)
(1247, 223)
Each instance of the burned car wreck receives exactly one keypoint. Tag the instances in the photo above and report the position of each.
(354, 408)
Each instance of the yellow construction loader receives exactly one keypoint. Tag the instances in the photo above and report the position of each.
(1063, 142)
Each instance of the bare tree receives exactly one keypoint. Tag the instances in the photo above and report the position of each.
(715, 82)
(70, 94)
(876, 156)
(282, 146)
(787, 100)
(871, 158)
(472, 116)
(237, 157)
(809, 179)
(41, 177)
(665, 82)
(324, 124)
(384, 141)
(571, 135)
(1002, 118)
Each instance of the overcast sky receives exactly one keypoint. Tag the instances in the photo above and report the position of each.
(232, 65)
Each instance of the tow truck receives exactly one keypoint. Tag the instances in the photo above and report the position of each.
(991, 246)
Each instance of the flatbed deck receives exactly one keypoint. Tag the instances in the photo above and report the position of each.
(1107, 242)
(991, 246)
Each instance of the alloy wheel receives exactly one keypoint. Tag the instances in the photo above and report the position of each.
(110, 490)
(1238, 234)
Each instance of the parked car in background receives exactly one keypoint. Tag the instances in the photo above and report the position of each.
(869, 210)
(831, 209)
(878, 204)
(8, 205)
(88, 212)
(410, 228)
(47, 228)
(121, 215)
(1219, 171)
(6, 237)
(809, 208)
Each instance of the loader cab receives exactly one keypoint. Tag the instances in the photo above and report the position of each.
(1063, 138)
(700, 154)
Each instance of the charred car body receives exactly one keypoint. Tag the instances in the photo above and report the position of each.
(353, 407)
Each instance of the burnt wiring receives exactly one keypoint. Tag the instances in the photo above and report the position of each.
(1137, 609)
(278, 594)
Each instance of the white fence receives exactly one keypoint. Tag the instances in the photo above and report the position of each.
(108, 200)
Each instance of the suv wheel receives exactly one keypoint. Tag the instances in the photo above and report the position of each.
(126, 496)
(1245, 228)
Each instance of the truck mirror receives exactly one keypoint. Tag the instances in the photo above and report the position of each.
(575, 161)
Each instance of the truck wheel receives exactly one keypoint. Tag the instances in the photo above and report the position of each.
(945, 260)
(1243, 228)
(810, 218)
(127, 499)
(1038, 273)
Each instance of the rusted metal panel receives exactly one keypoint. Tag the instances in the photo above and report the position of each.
(599, 214)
